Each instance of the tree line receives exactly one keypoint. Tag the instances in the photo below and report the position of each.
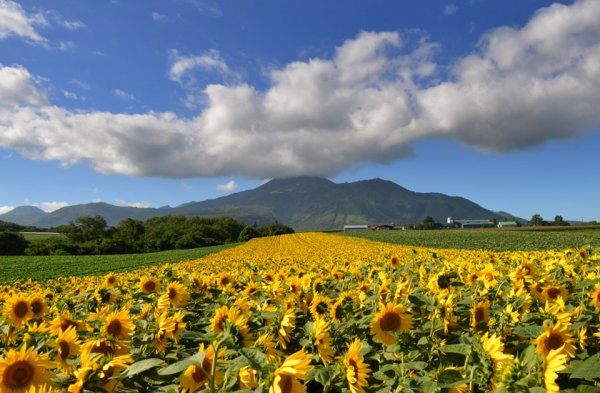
(91, 235)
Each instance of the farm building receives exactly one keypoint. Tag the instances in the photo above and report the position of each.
(473, 223)
(350, 228)
(508, 224)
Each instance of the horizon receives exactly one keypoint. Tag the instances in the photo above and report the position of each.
(149, 105)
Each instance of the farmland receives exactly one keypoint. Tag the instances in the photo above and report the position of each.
(316, 312)
(489, 239)
(46, 267)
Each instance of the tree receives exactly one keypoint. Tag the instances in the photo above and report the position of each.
(428, 223)
(558, 221)
(536, 220)
(86, 228)
(248, 233)
(12, 243)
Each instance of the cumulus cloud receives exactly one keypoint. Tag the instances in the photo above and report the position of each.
(141, 204)
(228, 187)
(49, 207)
(15, 21)
(6, 209)
(370, 101)
(183, 65)
(123, 95)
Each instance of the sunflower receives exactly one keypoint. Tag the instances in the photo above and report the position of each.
(294, 368)
(392, 318)
(320, 306)
(596, 298)
(395, 261)
(286, 326)
(88, 365)
(480, 313)
(149, 285)
(17, 310)
(63, 322)
(178, 294)
(555, 361)
(322, 340)
(119, 325)
(357, 371)
(248, 378)
(265, 343)
(38, 306)
(194, 377)
(23, 369)
(555, 338)
(178, 326)
(553, 293)
(164, 328)
(218, 320)
(67, 345)
(104, 347)
(112, 369)
(494, 347)
(110, 280)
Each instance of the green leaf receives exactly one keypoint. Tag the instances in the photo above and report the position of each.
(537, 390)
(463, 349)
(181, 365)
(589, 369)
(141, 366)
(450, 379)
(528, 331)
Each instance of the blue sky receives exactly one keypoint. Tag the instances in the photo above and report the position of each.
(153, 103)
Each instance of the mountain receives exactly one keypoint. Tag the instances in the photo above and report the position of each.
(304, 203)
(23, 215)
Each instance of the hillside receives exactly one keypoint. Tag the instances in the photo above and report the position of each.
(305, 203)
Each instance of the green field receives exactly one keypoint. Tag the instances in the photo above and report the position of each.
(46, 267)
(489, 239)
(38, 236)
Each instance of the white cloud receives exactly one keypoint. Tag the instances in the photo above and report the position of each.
(450, 9)
(6, 209)
(73, 24)
(141, 204)
(49, 207)
(369, 102)
(69, 94)
(15, 21)
(19, 87)
(66, 46)
(228, 187)
(157, 17)
(183, 65)
(123, 95)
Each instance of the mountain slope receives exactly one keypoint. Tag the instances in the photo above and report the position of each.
(305, 203)
(24, 215)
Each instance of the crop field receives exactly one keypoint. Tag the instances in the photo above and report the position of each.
(39, 236)
(313, 312)
(46, 267)
(489, 239)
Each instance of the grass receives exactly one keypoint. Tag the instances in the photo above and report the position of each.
(47, 267)
(489, 239)
(39, 236)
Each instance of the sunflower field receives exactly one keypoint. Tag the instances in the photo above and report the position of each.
(312, 312)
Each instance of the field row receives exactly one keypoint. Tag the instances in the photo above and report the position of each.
(489, 239)
(313, 312)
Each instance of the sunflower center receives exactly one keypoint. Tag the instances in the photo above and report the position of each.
(390, 321)
(553, 293)
(488, 276)
(172, 293)
(479, 314)
(103, 348)
(149, 286)
(64, 349)
(321, 308)
(555, 341)
(200, 374)
(21, 309)
(36, 307)
(18, 375)
(67, 323)
(285, 383)
(111, 280)
(114, 328)
(224, 281)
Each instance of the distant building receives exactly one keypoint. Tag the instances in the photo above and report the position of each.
(352, 228)
(508, 224)
(474, 223)
(384, 227)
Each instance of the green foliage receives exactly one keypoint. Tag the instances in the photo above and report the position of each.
(12, 243)
(9, 226)
(248, 233)
(488, 239)
(45, 267)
